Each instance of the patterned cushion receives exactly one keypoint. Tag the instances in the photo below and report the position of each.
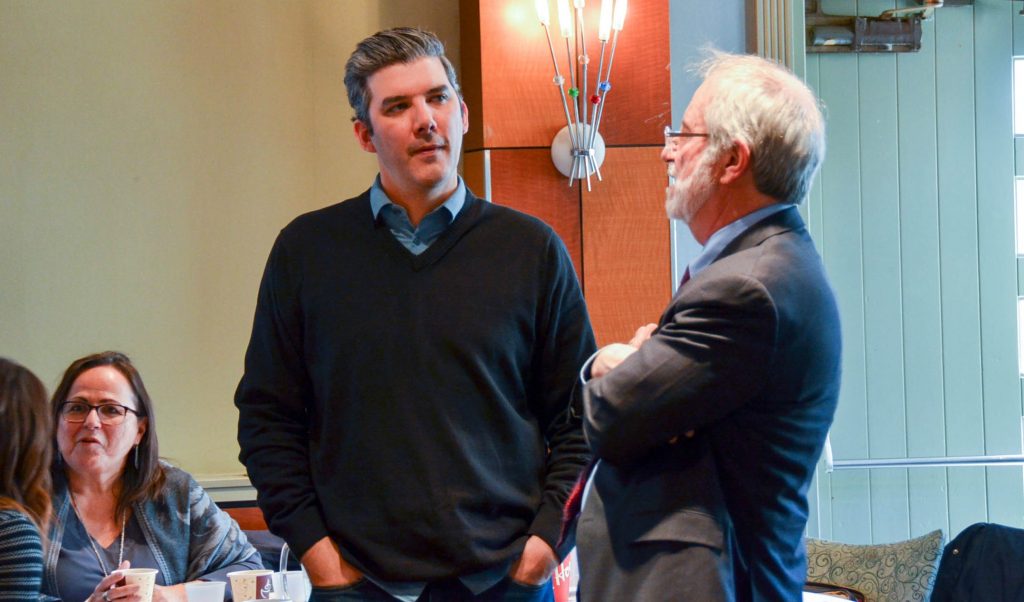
(891, 572)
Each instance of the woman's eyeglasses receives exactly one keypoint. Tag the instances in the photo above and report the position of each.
(110, 414)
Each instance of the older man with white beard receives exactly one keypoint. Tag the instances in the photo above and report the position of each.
(708, 424)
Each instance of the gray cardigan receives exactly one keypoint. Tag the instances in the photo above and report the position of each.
(187, 533)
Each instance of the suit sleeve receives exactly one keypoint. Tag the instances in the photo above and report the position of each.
(272, 400)
(711, 354)
(565, 343)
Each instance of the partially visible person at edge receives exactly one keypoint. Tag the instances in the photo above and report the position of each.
(117, 505)
(404, 412)
(708, 424)
(24, 481)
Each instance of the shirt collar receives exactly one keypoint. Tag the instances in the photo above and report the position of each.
(721, 239)
(379, 199)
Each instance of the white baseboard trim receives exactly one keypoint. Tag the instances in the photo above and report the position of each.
(228, 487)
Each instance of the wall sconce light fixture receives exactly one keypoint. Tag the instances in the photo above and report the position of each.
(578, 149)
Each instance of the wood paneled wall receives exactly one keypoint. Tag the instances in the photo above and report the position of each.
(617, 234)
(627, 249)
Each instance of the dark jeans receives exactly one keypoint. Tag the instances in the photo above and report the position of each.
(448, 590)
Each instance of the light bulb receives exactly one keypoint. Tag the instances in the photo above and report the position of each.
(620, 15)
(604, 29)
(543, 12)
(565, 18)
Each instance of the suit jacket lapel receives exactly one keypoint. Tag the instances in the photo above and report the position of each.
(786, 220)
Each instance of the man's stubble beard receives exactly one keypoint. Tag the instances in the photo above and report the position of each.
(684, 198)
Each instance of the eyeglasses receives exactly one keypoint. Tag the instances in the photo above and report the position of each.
(110, 414)
(672, 136)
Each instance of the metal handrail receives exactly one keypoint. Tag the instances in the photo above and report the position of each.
(916, 462)
(948, 461)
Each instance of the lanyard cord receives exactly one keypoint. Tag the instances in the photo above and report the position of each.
(92, 542)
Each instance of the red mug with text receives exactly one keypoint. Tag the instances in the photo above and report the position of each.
(252, 585)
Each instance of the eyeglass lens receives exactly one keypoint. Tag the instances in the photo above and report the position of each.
(74, 411)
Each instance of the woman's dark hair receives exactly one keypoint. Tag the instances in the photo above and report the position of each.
(25, 444)
(138, 483)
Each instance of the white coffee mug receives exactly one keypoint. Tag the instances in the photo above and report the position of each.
(299, 588)
(291, 584)
(205, 591)
(144, 578)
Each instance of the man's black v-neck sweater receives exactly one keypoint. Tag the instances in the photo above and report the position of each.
(415, 408)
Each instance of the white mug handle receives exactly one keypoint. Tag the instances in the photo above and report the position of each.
(282, 567)
(282, 563)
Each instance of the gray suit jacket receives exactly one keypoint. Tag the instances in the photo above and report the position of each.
(748, 355)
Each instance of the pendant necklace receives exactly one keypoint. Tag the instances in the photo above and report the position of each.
(92, 542)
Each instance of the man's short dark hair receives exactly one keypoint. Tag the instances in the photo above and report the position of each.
(385, 48)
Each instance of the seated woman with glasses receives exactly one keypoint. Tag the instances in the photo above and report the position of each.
(24, 481)
(117, 505)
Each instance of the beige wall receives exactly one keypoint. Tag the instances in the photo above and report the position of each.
(150, 152)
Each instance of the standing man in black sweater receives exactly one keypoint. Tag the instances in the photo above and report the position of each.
(404, 412)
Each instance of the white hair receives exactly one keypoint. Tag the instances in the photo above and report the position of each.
(764, 105)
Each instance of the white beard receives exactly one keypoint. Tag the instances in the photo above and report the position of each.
(684, 198)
